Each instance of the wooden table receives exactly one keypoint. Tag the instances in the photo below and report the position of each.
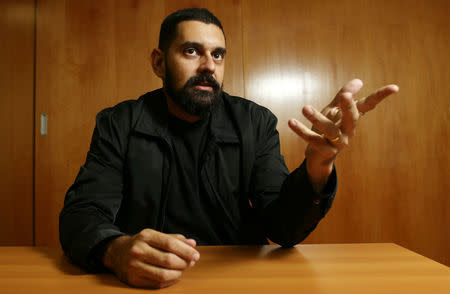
(337, 268)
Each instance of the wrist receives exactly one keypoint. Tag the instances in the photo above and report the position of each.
(318, 173)
(113, 251)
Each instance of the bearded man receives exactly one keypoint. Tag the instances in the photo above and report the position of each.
(190, 165)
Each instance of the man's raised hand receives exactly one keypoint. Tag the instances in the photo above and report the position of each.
(333, 127)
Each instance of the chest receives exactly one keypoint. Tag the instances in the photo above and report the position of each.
(152, 161)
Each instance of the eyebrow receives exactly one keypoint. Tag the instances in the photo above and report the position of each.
(221, 50)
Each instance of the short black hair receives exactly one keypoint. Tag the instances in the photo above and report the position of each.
(169, 26)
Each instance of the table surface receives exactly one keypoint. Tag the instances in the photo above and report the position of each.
(328, 268)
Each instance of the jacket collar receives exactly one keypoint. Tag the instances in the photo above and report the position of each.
(153, 118)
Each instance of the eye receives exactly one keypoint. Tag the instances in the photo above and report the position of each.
(218, 55)
(190, 51)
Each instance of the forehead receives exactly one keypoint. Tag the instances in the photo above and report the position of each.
(209, 35)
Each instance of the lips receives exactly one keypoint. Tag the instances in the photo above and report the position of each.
(203, 82)
(204, 86)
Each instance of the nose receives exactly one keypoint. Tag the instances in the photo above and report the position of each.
(207, 64)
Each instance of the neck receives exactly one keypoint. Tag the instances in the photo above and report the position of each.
(176, 111)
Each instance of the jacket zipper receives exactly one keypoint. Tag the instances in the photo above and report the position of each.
(218, 199)
(166, 192)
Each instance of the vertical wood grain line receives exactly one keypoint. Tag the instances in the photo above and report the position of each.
(34, 127)
(243, 48)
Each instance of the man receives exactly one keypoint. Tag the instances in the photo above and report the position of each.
(189, 164)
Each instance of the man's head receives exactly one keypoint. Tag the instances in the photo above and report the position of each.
(190, 60)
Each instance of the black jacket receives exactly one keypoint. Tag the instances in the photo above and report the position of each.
(122, 187)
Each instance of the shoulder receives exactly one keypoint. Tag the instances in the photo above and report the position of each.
(125, 114)
(244, 108)
(115, 123)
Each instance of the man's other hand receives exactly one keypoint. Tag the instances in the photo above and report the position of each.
(150, 259)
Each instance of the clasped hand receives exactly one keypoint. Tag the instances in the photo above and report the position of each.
(333, 127)
(150, 259)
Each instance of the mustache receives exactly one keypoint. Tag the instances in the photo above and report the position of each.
(203, 79)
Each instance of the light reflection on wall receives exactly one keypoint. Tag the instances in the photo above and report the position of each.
(298, 86)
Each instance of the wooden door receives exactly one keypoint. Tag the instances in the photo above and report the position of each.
(16, 121)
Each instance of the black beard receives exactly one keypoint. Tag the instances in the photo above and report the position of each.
(193, 101)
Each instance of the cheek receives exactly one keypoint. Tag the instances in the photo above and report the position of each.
(220, 74)
(184, 71)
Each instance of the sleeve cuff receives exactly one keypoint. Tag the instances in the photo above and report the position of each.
(95, 258)
(330, 188)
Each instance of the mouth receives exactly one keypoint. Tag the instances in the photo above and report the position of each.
(204, 86)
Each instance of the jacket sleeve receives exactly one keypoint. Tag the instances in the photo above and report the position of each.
(287, 203)
(92, 202)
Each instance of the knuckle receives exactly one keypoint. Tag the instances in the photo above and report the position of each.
(163, 276)
(168, 260)
(170, 244)
(314, 119)
(143, 234)
(133, 265)
(349, 105)
(135, 250)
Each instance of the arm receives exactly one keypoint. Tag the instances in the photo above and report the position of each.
(87, 231)
(92, 202)
(288, 204)
(307, 193)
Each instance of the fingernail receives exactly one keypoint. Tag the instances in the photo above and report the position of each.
(308, 110)
(196, 257)
(192, 263)
(293, 122)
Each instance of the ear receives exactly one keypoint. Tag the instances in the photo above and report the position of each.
(158, 64)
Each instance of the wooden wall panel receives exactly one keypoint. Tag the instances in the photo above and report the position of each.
(393, 179)
(91, 55)
(16, 122)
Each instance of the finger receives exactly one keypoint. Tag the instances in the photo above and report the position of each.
(178, 236)
(320, 122)
(368, 103)
(306, 133)
(350, 114)
(147, 254)
(190, 242)
(351, 87)
(315, 140)
(153, 273)
(170, 244)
